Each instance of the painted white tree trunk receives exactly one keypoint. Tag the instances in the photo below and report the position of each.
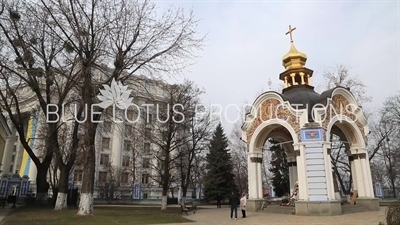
(61, 202)
(163, 202)
(86, 204)
(183, 199)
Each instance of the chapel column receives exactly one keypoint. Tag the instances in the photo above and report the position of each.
(329, 173)
(302, 172)
(8, 151)
(255, 180)
(359, 175)
(366, 196)
(292, 172)
(367, 170)
(353, 172)
(259, 176)
(251, 178)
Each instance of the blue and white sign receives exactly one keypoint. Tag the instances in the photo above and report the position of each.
(137, 190)
(312, 135)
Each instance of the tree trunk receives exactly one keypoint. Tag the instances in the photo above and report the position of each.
(42, 186)
(86, 199)
(61, 202)
(183, 200)
(164, 202)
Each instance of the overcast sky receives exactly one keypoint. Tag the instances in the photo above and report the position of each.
(246, 41)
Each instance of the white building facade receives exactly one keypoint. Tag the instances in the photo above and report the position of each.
(124, 152)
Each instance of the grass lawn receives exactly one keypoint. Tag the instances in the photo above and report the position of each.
(103, 215)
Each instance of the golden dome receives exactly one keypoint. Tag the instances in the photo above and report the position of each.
(294, 58)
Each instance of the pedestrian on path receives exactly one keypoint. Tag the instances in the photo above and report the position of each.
(219, 198)
(233, 202)
(243, 202)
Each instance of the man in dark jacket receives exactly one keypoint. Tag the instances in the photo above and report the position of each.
(233, 202)
(219, 198)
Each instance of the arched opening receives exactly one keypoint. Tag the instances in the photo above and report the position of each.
(343, 137)
(278, 167)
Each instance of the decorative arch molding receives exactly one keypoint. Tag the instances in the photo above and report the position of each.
(260, 134)
(350, 130)
(270, 106)
(345, 106)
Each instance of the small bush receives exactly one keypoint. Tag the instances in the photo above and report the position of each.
(393, 214)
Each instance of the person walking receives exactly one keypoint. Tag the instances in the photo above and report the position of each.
(219, 198)
(243, 202)
(233, 202)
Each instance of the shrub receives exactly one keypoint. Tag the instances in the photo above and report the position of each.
(393, 214)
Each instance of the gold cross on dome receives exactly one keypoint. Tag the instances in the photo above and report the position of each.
(290, 33)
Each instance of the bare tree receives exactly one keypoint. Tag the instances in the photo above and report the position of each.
(197, 127)
(33, 61)
(130, 34)
(170, 132)
(239, 156)
(340, 75)
(111, 187)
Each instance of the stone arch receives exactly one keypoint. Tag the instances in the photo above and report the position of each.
(263, 130)
(358, 155)
(349, 129)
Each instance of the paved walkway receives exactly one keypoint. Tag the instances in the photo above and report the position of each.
(4, 212)
(214, 216)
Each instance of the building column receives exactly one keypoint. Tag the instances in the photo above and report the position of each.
(36, 140)
(117, 142)
(8, 152)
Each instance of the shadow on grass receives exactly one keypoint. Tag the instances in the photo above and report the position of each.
(103, 215)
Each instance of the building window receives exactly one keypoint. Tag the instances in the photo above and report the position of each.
(78, 175)
(11, 169)
(104, 159)
(145, 195)
(15, 148)
(13, 158)
(127, 145)
(107, 126)
(146, 148)
(128, 130)
(146, 163)
(125, 178)
(125, 161)
(106, 143)
(102, 177)
(145, 178)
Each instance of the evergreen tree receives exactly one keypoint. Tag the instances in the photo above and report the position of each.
(279, 169)
(219, 177)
